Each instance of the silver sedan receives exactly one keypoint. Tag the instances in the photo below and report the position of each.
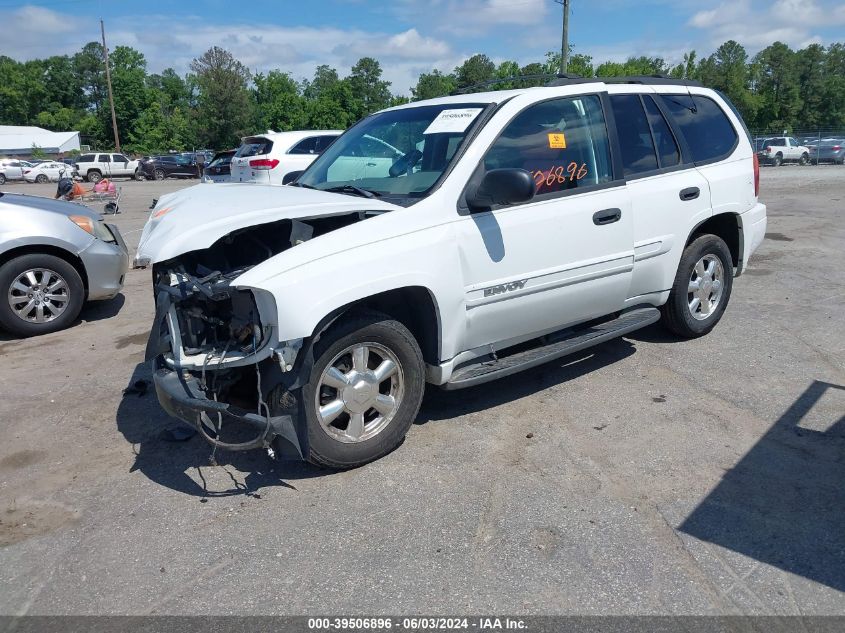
(54, 256)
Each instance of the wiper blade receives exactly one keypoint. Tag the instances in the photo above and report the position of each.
(300, 184)
(351, 189)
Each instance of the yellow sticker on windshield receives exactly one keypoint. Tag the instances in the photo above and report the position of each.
(557, 140)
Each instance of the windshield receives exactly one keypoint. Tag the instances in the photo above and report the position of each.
(399, 153)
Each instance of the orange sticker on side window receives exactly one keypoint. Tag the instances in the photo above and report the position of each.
(557, 140)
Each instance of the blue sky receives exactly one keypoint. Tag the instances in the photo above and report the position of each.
(409, 36)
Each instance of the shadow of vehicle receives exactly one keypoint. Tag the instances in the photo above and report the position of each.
(142, 422)
(783, 504)
(91, 311)
(444, 405)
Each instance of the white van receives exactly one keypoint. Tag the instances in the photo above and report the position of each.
(268, 158)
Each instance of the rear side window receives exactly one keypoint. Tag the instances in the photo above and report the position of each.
(306, 146)
(634, 134)
(562, 142)
(707, 130)
(104, 158)
(323, 143)
(86, 158)
(668, 152)
(254, 146)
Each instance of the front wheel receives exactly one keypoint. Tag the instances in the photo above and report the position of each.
(701, 289)
(159, 174)
(2, 179)
(363, 392)
(43, 293)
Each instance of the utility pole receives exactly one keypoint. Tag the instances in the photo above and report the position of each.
(108, 83)
(564, 40)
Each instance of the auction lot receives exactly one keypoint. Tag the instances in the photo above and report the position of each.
(648, 476)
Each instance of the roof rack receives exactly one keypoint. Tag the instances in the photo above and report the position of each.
(500, 80)
(647, 80)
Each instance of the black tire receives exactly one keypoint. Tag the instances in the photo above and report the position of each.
(677, 316)
(159, 174)
(9, 273)
(94, 176)
(380, 329)
(139, 176)
(805, 158)
(41, 179)
(777, 161)
(2, 179)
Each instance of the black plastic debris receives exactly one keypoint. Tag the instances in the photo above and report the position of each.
(139, 387)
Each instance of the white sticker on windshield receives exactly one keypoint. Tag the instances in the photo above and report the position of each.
(452, 121)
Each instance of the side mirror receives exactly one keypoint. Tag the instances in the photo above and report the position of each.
(291, 176)
(502, 187)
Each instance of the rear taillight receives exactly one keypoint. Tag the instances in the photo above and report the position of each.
(836, 148)
(756, 176)
(264, 163)
(768, 150)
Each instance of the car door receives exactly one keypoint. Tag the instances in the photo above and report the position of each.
(120, 165)
(669, 196)
(104, 164)
(566, 256)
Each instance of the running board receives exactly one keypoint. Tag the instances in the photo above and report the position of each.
(575, 341)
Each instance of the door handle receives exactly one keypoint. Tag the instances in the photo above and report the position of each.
(607, 216)
(690, 193)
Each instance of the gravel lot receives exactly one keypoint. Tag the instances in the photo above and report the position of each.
(648, 476)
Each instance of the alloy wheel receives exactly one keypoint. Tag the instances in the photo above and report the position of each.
(706, 286)
(38, 295)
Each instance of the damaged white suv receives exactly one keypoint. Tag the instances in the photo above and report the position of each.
(500, 231)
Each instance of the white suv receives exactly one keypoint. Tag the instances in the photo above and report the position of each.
(268, 158)
(95, 167)
(515, 227)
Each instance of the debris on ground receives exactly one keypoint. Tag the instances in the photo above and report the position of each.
(139, 387)
(177, 434)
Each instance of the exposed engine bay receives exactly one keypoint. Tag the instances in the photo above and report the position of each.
(213, 336)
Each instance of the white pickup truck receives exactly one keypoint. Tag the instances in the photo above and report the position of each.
(783, 149)
(95, 167)
(512, 228)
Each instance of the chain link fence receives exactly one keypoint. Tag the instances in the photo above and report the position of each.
(824, 145)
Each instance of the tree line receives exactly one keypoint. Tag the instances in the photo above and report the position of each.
(221, 100)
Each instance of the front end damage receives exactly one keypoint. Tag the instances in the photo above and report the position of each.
(218, 362)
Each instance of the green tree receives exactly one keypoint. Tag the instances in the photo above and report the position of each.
(369, 89)
(433, 84)
(475, 70)
(278, 104)
(128, 78)
(223, 110)
(777, 87)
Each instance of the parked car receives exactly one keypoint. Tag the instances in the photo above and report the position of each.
(96, 166)
(828, 150)
(11, 169)
(514, 228)
(268, 158)
(49, 171)
(783, 149)
(169, 166)
(54, 256)
(219, 169)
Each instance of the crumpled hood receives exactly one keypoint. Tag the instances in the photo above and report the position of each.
(195, 218)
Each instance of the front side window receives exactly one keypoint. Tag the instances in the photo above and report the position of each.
(707, 130)
(632, 128)
(563, 143)
(400, 153)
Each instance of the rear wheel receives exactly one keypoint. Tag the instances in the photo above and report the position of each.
(139, 176)
(94, 176)
(2, 179)
(777, 161)
(41, 179)
(43, 293)
(805, 158)
(363, 392)
(702, 288)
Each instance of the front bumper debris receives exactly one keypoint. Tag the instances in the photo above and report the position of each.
(180, 396)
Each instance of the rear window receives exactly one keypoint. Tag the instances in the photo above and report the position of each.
(707, 130)
(254, 146)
